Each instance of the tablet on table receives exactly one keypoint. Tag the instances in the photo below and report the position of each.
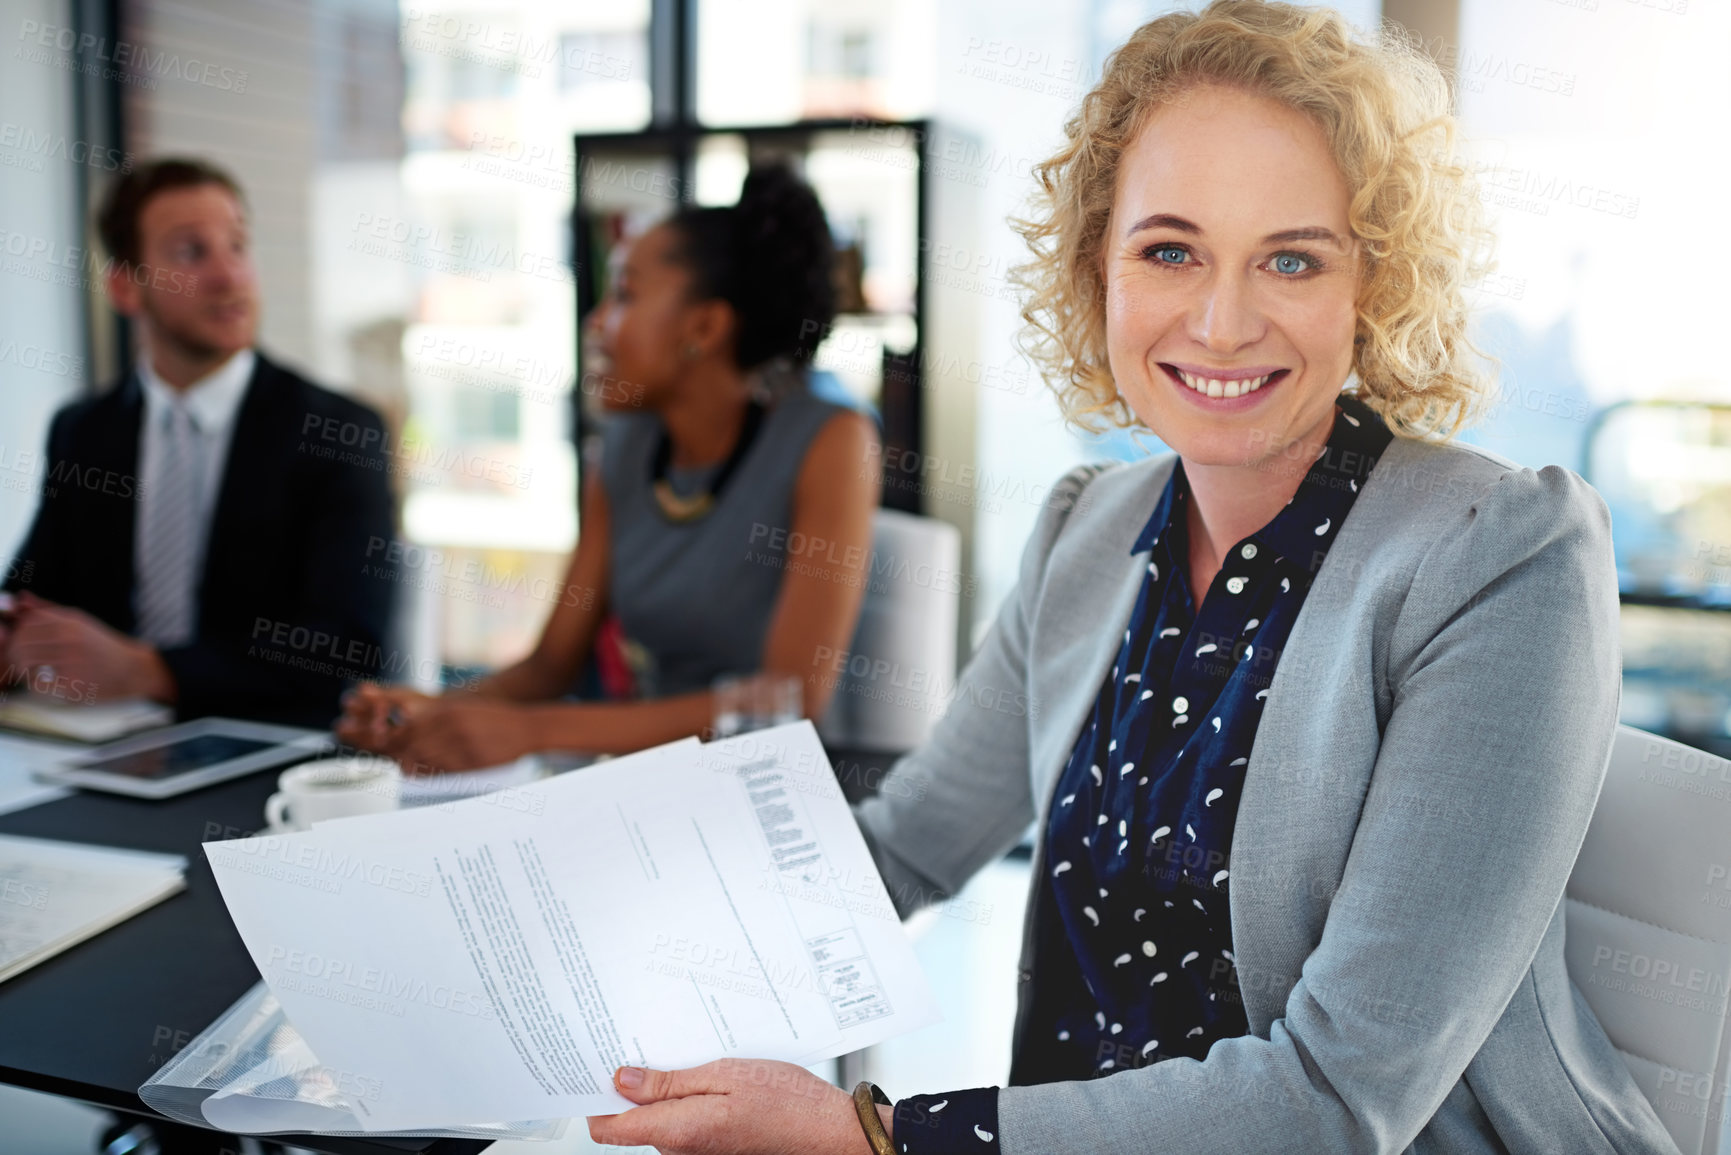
(175, 759)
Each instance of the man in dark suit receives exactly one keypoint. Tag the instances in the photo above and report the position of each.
(204, 527)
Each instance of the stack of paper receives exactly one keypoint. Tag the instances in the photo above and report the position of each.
(56, 894)
(426, 789)
(498, 958)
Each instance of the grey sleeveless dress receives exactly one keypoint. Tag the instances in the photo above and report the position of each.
(694, 599)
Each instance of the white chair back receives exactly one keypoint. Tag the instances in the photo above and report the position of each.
(411, 642)
(895, 679)
(1648, 909)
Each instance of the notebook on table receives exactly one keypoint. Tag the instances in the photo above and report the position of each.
(80, 722)
(54, 895)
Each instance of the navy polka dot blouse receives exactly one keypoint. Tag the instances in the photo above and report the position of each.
(1136, 965)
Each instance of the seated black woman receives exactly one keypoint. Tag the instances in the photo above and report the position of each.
(1324, 702)
(715, 458)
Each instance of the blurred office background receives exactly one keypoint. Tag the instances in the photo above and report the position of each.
(414, 175)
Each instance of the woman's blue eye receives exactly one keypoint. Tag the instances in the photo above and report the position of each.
(1291, 263)
(1159, 253)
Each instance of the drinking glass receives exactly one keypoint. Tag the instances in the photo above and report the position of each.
(747, 702)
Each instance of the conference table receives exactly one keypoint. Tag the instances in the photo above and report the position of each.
(94, 1022)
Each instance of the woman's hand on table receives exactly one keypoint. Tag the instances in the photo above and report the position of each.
(734, 1107)
(373, 713)
(462, 733)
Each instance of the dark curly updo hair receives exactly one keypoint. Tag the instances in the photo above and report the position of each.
(770, 257)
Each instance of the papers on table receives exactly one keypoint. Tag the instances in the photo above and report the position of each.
(20, 757)
(56, 894)
(426, 789)
(497, 958)
(100, 722)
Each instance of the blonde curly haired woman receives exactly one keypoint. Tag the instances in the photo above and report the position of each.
(1324, 701)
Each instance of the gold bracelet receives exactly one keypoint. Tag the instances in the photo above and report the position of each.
(866, 1097)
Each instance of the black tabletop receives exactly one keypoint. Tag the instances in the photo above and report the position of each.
(94, 1022)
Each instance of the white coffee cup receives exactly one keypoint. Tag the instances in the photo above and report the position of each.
(333, 788)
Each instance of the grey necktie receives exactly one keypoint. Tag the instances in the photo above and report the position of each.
(168, 528)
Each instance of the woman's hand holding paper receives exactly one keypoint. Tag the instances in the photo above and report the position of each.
(733, 1107)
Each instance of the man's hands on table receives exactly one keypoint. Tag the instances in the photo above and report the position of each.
(64, 653)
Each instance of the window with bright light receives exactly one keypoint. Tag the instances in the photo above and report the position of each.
(765, 62)
(493, 97)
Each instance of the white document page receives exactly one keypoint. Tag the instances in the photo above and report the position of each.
(815, 861)
(497, 958)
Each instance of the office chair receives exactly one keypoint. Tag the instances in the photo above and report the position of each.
(899, 673)
(1648, 913)
(411, 641)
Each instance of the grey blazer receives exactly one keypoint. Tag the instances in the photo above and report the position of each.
(1422, 778)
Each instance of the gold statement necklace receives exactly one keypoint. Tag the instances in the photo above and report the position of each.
(681, 509)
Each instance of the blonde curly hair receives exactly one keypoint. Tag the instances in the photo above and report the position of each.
(1384, 109)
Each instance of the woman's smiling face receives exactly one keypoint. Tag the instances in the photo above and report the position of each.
(1230, 274)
